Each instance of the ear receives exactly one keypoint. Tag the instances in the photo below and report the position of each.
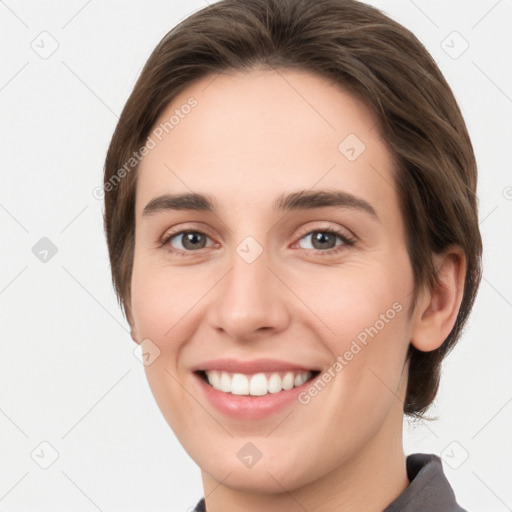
(437, 309)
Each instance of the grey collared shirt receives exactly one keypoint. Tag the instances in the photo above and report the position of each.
(428, 491)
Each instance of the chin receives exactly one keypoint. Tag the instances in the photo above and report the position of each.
(280, 467)
(260, 479)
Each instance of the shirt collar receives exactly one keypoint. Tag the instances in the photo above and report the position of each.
(428, 490)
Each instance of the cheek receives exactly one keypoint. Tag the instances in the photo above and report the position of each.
(163, 302)
(353, 300)
(363, 313)
(367, 333)
(164, 305)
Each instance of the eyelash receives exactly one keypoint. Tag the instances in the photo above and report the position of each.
(347, 241)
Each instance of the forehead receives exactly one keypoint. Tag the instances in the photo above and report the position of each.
(250, 136)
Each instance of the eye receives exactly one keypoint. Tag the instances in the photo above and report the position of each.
(187, 241)
(323, 241)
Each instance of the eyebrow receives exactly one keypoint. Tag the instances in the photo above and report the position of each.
(301, 200)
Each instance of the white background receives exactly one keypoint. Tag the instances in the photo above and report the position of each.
(68, 376)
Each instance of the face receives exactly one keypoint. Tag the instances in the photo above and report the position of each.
(278, 301)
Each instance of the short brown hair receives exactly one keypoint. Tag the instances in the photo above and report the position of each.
(370, 55)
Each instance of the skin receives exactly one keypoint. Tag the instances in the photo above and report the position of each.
(253, 136)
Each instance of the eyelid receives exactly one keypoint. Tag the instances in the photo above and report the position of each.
(335, 228)
(345, 235)
(191, 226)
(170, 233)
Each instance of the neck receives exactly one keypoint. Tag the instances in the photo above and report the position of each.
(370, 481)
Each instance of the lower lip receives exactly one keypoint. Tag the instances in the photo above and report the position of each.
(250, 407)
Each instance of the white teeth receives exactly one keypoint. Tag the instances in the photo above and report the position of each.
(256, 385)
(274, 383)
(214, 379)
(240, 384)
(288, 381)
(298, 380)
(225, 382)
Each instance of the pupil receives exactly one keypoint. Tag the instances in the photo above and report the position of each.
(190, 239)
(321, 237)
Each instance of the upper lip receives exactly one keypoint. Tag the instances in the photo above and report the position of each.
(250, 366)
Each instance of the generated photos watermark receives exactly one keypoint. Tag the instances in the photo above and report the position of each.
(356, 346)
(152, 141)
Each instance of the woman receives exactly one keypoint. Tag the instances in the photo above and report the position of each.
(292, 226)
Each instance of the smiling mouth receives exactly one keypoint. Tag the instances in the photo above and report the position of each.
(256, 384)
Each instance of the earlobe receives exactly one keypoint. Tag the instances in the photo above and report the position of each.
(437, 309)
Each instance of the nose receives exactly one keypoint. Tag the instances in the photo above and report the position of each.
(251, 300)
